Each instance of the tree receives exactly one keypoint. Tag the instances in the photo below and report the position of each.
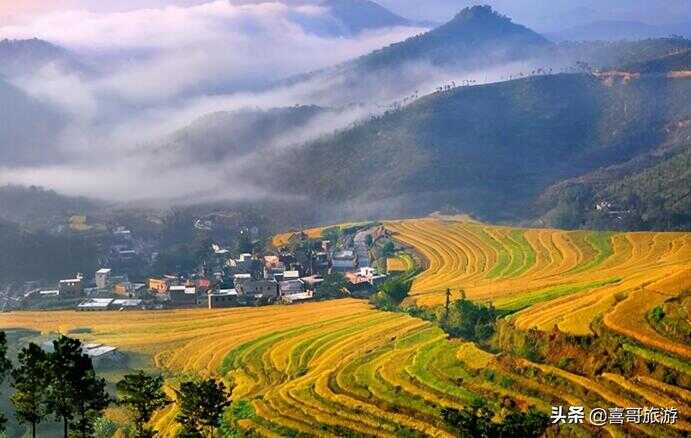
(29, 381)
(388, 249)
(531, 424)
(332, 286)
(332, 234)
(245, 244)
(476, 421)
(75, 394)
(143, 394)
(5, 367)
(201, 405)
(392, 293)
(467, 320)
(473, 421)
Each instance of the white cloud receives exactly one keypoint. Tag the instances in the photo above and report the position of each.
(160, 68)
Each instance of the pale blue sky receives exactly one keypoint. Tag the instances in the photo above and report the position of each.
(541, 14)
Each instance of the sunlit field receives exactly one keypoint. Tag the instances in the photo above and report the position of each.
(340, 367)
(552, 277)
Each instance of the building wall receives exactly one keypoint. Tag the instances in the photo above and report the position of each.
(71, 289)
(219, 302)
(262, 287)
(101, 280)
(157, 285)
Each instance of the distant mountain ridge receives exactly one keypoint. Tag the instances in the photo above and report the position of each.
(29, 127)
(24, 57)
(360, 15)
(613, 30)
(227, 134)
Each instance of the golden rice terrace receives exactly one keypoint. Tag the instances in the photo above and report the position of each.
(342, 368)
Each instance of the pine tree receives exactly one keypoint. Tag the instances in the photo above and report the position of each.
(5, 367)
(29, 381)
(75, 394)
(144, 395)
(201, 406)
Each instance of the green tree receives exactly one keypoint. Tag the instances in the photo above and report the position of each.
(472, 421)
(388, 249)
(392, 293)
(332, 234)
(476, 421)
(75, 394)
(5, 367)
(143, 394)
(245, 244)
(106, 428)
(531, 424)
(332, 286)
(201, 405)
(29, 381)
(467, 320)
(369, 240)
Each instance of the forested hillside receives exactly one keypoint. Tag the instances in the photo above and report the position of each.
(489, 150)
(30, 255)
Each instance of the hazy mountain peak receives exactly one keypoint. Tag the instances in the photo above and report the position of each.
(19, 57)
(479, 12)
(359, 15)
(484, 22)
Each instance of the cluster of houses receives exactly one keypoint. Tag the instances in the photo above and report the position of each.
(285, 276)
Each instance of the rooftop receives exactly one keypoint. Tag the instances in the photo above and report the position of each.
(99, 351)
(224, 293)
(299, 297)
(127, 303)
(95, 303)
(345, 254)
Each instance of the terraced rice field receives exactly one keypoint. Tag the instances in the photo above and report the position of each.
(552, 277)
(399, 264)
(341, 368)
(282, 239)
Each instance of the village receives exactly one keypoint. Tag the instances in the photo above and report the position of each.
(338, 263)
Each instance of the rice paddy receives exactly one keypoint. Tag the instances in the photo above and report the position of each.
(555, 278)
(342, 368)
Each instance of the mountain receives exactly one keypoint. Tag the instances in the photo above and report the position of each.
(22, 57)
(357, 16)
(674, 62)
(475, 37)
(650, 191)
(29, 128)
(608, 55)
(31, 255)
(489, 150)
(234, 134)
(37, 208)
(613, 30)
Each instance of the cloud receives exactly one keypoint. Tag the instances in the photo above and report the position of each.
(156, 70)
(152, 71)
(160, 53)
